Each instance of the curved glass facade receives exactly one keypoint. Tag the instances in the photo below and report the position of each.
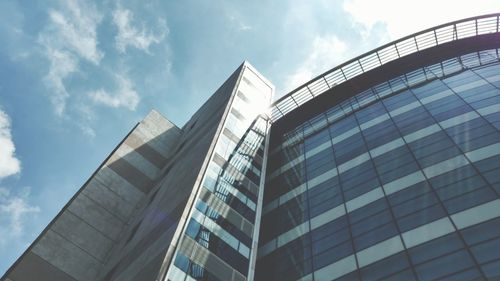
(399, 182)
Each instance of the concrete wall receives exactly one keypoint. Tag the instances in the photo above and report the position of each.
(152, 232)
(125, 222)
(78, 242)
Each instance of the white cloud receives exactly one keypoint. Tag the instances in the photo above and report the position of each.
(363, 25)
(62, 64)
(14, 210)
(123, 96)
(69, 37)
(9, 164)
(244, 27)
(87, 130)
(325, 52)
(239, 24)
(85, 116)
(406, 17)
(129, 35)
(75, 30)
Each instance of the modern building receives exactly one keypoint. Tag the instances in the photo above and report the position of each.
(386, 167)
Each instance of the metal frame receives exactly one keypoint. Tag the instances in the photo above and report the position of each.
(438, 35)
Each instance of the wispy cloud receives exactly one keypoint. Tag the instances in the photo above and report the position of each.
(14, 210)
(75, 30)
(238, 23)
(62, 64)
(9, 164)
(123, 96)
(325, 52)
(69, 37)
(130, 35)
(86, 115)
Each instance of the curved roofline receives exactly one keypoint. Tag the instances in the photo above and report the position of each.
(411, 44)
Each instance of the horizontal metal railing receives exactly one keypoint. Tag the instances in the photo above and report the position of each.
(416, 42)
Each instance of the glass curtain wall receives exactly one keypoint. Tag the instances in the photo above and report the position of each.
(400, 182)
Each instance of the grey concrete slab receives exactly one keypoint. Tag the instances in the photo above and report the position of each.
(156, 124)
(67, 257)
(150, 270)
(119, 185)
(146, 150)
(109, 200)
(163, 144)
(137, 160)
(145, 256)
(131, 174)
(35, 268)
(80, 233)
(85, 232)
(161, 134)
(95, 215)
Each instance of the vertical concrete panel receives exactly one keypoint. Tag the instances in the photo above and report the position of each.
(83, 235)
(119, 185)
(34, 268)
(95, 215)
(130, 173)
(137, 160)
(67, 257)
(109, 200)
(159, 133)
(145, 256)
(135, 142)
(150, 271)
(77, 243)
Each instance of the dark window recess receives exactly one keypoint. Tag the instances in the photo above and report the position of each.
(217, 246)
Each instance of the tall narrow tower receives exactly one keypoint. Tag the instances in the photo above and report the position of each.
(167, 200)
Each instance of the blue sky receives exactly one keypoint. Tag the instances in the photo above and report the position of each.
(75, 76)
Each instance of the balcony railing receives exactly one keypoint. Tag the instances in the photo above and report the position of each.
(419, 41)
